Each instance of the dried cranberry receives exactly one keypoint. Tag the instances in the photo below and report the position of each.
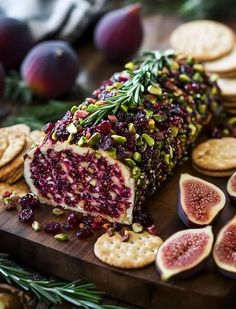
(74, 219)
(84, 232)
(7, 194)
(26, 215)
(152, 230)
(52, 227)
(29, 201)
(104, 127)
(48, 128)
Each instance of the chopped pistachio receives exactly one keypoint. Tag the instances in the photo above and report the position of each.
(137, 156)
(214, 77)
(159, 144)
(131, 127)
(130, 162)
(70, 137)
(54, 136)
(111, 152)
(74, 109)
(198, 67)
(93, 182)
(71, 128)
(119, 139)
(174, 65)
(98, 155)
(189, 60)
(214, 106)
(94, 139)
(130, 66)
(151, 124)
(148, 113)
(36, 226)
(193, 129)
(148, 139)
(189, 109)
(159, 118)
(135, 170)
(174, 131)
(197, 77)
(117, 85)
(202, 108)
(214, 90)
(82, 141)
(155, 89)
(139, 140)
(184, 78)
(137, 227)
(124, 108)
(61, 237)
(167, 158)
(57, 212)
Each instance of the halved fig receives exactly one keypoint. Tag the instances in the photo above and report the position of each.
(199, 201)
(184, 253)
(224, 251)
(231, 188)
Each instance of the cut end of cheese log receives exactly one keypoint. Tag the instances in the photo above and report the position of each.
(81, 179)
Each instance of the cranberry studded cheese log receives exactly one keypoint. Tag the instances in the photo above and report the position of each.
(107, 155)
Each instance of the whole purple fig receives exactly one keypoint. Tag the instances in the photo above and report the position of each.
(15, 41)
(50, 68)
(119, 33)
(2, 79)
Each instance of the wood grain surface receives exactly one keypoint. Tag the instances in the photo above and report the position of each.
(76, 259)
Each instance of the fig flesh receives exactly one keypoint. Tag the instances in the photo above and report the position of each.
(224, 251)
(184, 253)
(231, 188)
(119, 33)
(50, 68)
(199, 201)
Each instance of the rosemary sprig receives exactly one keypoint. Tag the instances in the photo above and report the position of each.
(132, 91)
(79, 294)
(15, 88)
(36, 116)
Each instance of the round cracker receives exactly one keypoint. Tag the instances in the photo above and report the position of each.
(225, 65)
(6, 170)
(206, 172)
(16, 142)
(16, 176)
(227, 86)
(37, 136)
(139, 251)
(203, 39)
(19, 188)
(3, 144)
(19, 128)
(216, 154)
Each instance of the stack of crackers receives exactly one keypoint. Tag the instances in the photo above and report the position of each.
(15, 141)
(215, 157)
(214, 44)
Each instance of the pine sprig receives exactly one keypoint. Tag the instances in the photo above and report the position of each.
(132, 91)
(77, 293)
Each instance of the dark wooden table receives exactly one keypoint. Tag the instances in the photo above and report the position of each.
(94, 69)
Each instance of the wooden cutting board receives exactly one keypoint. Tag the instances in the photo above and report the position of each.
(75, 259)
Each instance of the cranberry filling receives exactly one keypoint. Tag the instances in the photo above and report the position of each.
(85, 181)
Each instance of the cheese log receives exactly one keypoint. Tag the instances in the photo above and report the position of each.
(111, 167)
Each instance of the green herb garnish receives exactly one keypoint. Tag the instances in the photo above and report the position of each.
(79, 294)
(131, 93)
